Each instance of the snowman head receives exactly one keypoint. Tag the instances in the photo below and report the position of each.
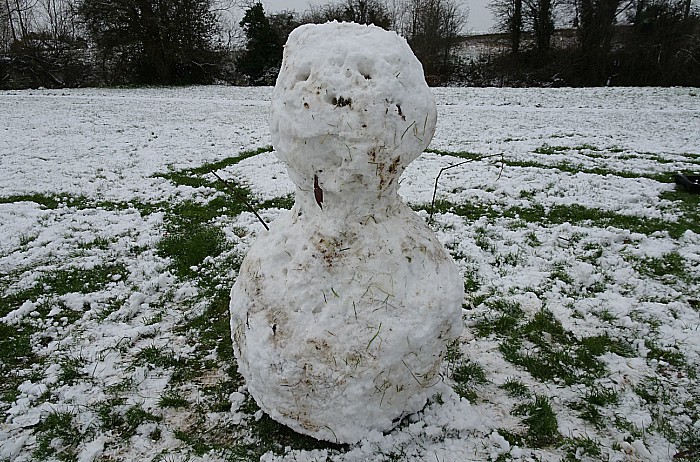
(350, 110)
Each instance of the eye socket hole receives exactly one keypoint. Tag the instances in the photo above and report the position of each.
(302, 74)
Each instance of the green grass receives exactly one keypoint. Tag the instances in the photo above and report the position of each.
(541, 421)
(16, 356)
(195, 176)
(188, 246)
(57, 437)
(285, 202)
(152, 357)
(190, 235)
(79, 280)
(124, 421)
(515, 388)
(273, 436)
(673, 357)
(687, 204)
(503, 318)
(569, 167)
(70, 201)
(572, 213)
(173, 399)
(49, 201)
(589, 407)
(16, 353)
(72, 371)
(579, 447)
(598, 345)
(466, 376)
(549, 352)
(549, 150)
(671, 266)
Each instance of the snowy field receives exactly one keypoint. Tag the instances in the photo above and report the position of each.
(581, 263)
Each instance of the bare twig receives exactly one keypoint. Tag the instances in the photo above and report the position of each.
(437, 178)
(240, 198)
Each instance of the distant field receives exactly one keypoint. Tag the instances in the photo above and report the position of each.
(581, 265)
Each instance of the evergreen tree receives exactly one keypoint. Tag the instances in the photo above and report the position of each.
(261, 60)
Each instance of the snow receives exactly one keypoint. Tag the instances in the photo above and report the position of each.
(342, 313)
(101, 144)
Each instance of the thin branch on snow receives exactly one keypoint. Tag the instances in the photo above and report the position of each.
(240, 198)
(437, 178)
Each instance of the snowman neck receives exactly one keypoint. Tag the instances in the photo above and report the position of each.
(359, 204)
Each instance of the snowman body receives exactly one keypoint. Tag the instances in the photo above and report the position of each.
(341, 313)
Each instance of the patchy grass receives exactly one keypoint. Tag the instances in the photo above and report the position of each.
(16, 358)
(557, 353)
(503, 318)
(81, 280)
(515, 388)
(58, 436)
(551, 353)
(541, 422)
(466, 374)
(574, 213)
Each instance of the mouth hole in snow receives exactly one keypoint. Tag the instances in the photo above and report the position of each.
(341, 102)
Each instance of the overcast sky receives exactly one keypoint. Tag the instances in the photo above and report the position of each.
(479, 17)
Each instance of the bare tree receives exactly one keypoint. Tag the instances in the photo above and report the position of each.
(540, 16)
(509, 18)
(433, 28)
(59, 18)
(516, 16)
(19, 16)
(360, 11)
(6, 34)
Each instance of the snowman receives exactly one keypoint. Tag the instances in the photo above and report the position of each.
(341, 313)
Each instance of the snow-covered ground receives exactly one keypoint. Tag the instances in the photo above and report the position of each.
(574, 236)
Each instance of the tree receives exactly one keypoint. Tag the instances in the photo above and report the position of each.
(595, 38)
(515, 16)
(18, 15)
(433, 28)
(540, 16)
(41, 45)
(5, 27)
(664, 46)
(359, 11)
(262, 57)
(153, 41)
(283, 23)
(509, 19)
(59, 19)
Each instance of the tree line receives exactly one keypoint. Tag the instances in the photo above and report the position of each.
(617, 42)
(68, 43)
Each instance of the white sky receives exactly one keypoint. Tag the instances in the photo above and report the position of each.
(479, 17)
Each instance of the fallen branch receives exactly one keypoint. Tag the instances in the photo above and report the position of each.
(432, 203)
(240, 197)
